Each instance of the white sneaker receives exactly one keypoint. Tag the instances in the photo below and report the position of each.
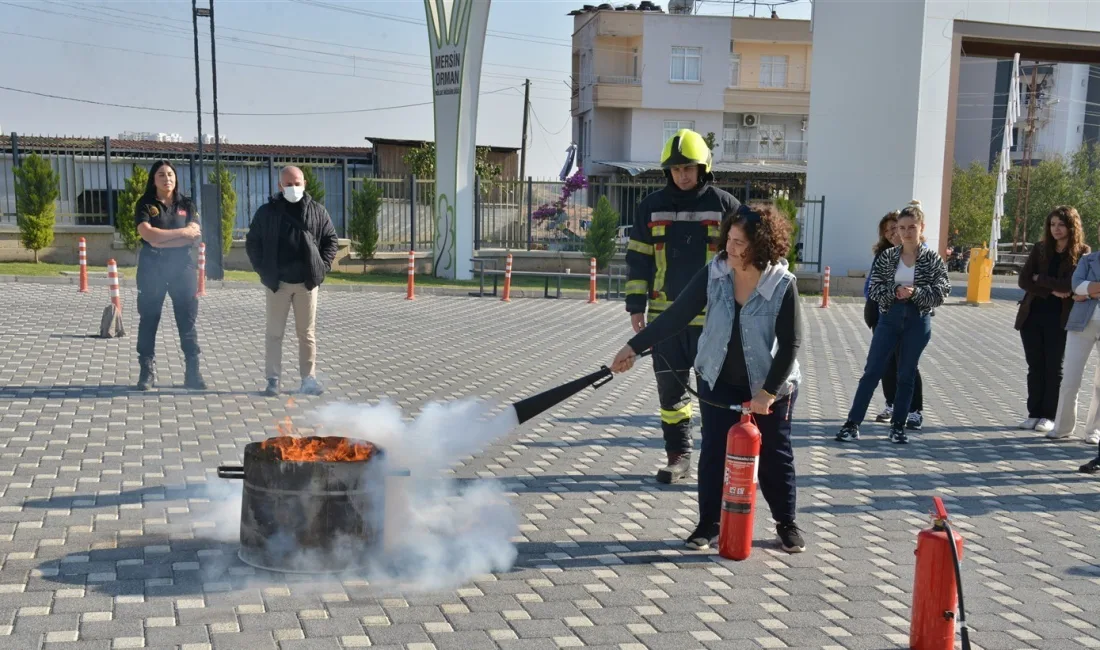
(1054, 434)
(1094, 437)
(1044, 426)
(1029, 424)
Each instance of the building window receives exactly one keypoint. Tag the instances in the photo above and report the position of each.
(672, 126)
(773, 72)
(687, 63)
(735, 70)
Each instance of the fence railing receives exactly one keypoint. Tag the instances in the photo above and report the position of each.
(91, 175)
(508, 213)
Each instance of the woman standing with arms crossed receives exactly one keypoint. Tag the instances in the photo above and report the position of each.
(1083, 327)
(747, 349)
(888, 238)
(908, 282)
(1041, 319)
(168, 224)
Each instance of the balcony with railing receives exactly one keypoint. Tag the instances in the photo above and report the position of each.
(757, 150)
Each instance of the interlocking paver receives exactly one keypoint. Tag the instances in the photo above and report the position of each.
(110, 536)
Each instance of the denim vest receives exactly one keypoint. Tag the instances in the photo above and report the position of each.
(757, 325)
(1088, 270)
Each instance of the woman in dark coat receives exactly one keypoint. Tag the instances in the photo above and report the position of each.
(1041, 319)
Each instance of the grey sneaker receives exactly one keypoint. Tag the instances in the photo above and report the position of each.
(898, 435)
(311, 387)
(272, 387)
(886, 415)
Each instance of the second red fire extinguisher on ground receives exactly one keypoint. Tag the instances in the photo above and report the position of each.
(739, 488)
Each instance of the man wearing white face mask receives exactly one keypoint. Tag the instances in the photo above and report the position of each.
(291, 243)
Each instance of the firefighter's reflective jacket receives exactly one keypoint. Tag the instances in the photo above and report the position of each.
(675, 233)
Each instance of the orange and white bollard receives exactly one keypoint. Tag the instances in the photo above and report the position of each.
(825, 290)
(202, 270)
(112, 282)
(592, 281)
(83, 266)
(507, 297)
(410, 294)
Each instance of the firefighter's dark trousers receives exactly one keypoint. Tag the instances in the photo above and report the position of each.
(160, 273)
(676, 354)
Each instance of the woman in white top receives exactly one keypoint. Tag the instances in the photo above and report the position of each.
(908, 282)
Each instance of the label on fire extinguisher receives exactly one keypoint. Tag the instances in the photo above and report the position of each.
(739, 482)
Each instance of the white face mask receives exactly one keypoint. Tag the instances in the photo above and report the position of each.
(294, 193)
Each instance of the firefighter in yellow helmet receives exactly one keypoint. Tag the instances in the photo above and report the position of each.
(673, 236)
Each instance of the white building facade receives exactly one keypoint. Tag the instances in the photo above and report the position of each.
(639, 76)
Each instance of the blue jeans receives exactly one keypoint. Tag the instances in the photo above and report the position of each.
(904, 329)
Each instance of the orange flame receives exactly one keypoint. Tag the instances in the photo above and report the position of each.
(316, 449)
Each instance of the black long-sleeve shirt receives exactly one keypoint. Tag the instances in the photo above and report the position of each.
(692, 300)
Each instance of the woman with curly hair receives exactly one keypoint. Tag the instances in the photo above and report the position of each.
(908, 282)
(1041, 320)
(747, 349)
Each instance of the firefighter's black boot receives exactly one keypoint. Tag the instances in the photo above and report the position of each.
(678, 468)
(148, 377)
(192, 378)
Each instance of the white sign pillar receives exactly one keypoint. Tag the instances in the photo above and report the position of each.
(456, 31)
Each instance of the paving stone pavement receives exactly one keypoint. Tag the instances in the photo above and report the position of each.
(104, 530)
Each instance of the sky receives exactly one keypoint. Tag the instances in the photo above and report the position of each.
(293, 56)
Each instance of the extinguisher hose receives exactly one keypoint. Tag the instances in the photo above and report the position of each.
(674, 372)
(963, 630)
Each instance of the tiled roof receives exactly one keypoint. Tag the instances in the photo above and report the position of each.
(28, 143)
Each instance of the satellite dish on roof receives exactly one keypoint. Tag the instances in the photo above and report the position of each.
(681, 6)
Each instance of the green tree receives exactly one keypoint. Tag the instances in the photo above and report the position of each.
(366, 203)
(36, 189)
(127, 202)
(314, 186)
(711, 140)
(599, 242)
(229, 206)
(789, 209)
(972, 197)
(421, 163)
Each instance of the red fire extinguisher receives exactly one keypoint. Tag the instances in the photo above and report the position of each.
(937, 587)
(739, 488)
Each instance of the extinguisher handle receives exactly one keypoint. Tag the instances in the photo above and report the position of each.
(941, 511)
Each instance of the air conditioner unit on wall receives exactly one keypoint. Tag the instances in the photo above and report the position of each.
(750, 120)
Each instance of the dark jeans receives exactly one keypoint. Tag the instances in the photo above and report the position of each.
(167, 272)
(903, 331)
(890, 375)
(776, 472)
(672, 369)
(1044, 341)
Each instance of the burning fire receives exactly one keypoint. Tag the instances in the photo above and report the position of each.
(328, 449)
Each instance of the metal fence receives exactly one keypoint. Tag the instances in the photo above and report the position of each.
(508, 213)
(91, 175)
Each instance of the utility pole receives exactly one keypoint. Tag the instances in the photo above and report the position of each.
(212, 228)
(198, 101)
(523, 142)
(1024, 186)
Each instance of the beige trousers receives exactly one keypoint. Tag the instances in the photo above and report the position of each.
(305, 315)
(1079, 346)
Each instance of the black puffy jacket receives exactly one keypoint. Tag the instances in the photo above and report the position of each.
(262, 241)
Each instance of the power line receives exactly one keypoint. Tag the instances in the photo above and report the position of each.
(330, 43)
(177, 32)
(187, 112)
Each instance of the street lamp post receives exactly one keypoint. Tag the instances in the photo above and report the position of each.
(212, 227)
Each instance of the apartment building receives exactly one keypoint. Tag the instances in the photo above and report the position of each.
(1065, 96)
(640, 74)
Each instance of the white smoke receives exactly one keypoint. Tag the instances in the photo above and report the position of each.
(437, 532)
